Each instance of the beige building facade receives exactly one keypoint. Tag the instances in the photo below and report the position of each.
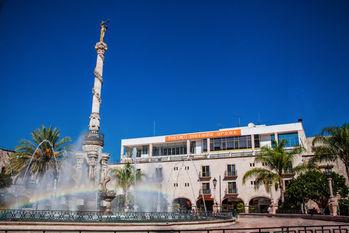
(204, 170)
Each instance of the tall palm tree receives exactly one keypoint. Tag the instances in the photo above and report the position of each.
(332, 144)
(278, 162)
(126, 176)
(39, 154)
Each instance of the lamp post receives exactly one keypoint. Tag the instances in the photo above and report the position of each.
(215, 206)
(214, 181)
(332, 202)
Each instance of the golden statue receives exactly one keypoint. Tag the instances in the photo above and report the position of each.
(103, 29)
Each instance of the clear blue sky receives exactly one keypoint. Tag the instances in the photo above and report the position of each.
(188, 65)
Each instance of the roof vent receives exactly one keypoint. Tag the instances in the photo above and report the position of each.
(300, 120)
(251, 125)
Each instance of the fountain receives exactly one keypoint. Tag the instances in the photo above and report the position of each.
(76, 189)
(107, 195)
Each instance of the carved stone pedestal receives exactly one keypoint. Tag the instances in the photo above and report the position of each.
(108, 197)
(333, 205)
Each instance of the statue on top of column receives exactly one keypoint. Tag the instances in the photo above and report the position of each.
(103, 29)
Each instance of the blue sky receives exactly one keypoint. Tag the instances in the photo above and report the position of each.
(188, 65)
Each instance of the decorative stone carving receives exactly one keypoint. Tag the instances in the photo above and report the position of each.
(94, 121)
(106, 195)
(104, 165)
(101, 48)
(98, 76)
(92, 161)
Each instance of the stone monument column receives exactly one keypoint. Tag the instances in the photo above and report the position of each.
(101, 48)
(94, 140)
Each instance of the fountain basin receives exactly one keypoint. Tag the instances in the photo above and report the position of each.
(112, 217)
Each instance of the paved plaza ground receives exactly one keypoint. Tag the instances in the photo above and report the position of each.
(265, 221)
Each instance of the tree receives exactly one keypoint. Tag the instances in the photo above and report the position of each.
(126, 176)
(313, 185)
(39, 154)
(5, 179)
(278, 162)
(332, 144)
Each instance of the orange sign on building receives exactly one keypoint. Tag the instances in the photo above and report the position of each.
(211, 134)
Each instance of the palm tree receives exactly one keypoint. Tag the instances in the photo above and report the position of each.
(39, 154)
(332, 144)
(278, 162)
(5, 179)
(126, 176)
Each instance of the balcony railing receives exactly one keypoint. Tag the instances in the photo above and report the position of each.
(231, 191)
(204, 176)
(230, 175)
(205, 192)
(212, 154)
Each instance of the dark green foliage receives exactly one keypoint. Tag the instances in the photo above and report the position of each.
(41, 153)
(313, 185)
(343, 207)
(240, 207)
(5, 180)
(278, 162)
(332, 144)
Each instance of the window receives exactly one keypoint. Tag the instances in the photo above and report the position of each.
(272, 139)
(144, 150)
(156, 151)
(291, 139)
(158, 172)
(206, 188)
(192, 147)
(216, 144)
(186, 167)
(256, 141)
(251, 164)
(205, 171)
(170, 149)
(231, 170)
(186, 184)
(230, 143)
(175, 168)
(253, 182)
(175, 185)
(232, 187)
(204, 145)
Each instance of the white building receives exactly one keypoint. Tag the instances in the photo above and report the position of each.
(210, 166)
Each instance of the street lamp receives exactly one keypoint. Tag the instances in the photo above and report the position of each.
(328, 172)
(214, 181)
(215, 205)
(332, 202)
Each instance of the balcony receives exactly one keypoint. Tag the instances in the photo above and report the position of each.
(204, 176)
(205, 192)
(230, 175)
(231, 193)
